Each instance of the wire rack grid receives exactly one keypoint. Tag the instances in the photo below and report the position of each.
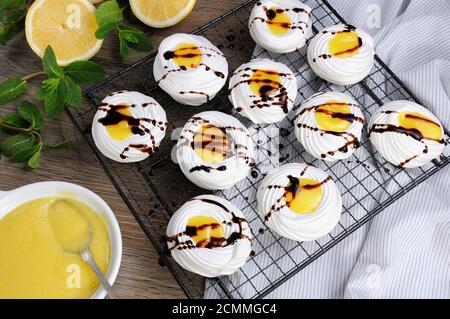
(155, 188)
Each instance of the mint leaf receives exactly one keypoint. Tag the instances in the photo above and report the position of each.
(23, 155)
(29, 112)
(15, 120)
(33, 162)
(9, 32)
(47, 87)
(15, 143)
(57, 92)
(11, 4)
(57, 145)
(103, 31)
(50, 64)
(11, 89)
(73, 94)
(12, 16)
(123, 46)
(82, 72)
(129, 34)
(136, 39)
(54, 95)
(108, 16)
(144, 44)
(108, 12)
(11, 23)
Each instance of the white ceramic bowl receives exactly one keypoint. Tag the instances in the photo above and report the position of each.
(12, 199)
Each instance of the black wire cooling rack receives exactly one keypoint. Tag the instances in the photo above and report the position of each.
(155, 188)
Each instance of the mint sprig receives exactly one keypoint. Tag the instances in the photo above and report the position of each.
(61, 87)
(25, 142)
(12, 17)
(109, 16)
(12, 88)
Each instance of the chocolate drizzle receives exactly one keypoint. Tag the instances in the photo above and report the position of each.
(351, 141)
(169, 55)
(342, 116)
(207, 169)
(410, 132)
(267, 91)
(351, 50)
(271, 14)
(197, 93)
(213, 242)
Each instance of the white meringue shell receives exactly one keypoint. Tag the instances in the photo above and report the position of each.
(141, 106)
(399, 148)
(221, 175)
(317, 142)
(341, 71)
(287, 223)
(192, 86)
(244, 99)
(294, 39)
(206, 261)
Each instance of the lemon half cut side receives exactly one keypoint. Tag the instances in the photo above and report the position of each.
(68, 26)
(161, 14)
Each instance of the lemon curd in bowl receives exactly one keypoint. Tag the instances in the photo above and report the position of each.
(33, 260)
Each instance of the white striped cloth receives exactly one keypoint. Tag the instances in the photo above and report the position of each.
(405, 251)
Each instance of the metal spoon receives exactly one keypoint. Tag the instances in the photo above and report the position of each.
(86, 255)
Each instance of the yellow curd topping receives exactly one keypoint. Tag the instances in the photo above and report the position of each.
(428, 128)
(344, 44)
(35, 243)
(332, 116)
(303, 196)
(264, 82)
(211, 144)
(278, 21)
(205, 231)
(187, 55)
(121, 128)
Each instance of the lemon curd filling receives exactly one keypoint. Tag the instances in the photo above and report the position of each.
(344, 44)
(205, 231)
(303, 196)
(35, 243)
(331, 116)
(278, 21)
(122, 129)
(428, 128)
(187, 55)
(211, 144)
(264, 82)
(70, 227)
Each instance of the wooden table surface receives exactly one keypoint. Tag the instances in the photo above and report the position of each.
(140, 275)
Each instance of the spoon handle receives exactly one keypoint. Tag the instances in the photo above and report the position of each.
(87, 257)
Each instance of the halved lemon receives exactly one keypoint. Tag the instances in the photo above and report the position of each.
(68, 26)
(161, 14)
